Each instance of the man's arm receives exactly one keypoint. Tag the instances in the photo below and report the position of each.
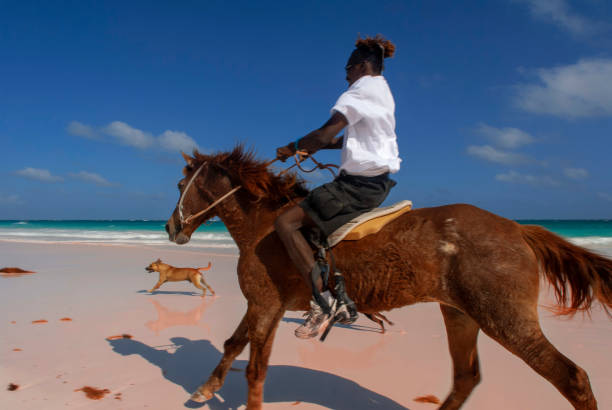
(321, 138)
(336, 143)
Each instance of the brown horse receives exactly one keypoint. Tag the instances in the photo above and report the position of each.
(483, 270)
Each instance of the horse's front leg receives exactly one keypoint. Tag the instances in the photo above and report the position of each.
(231, 348)
(263, 322)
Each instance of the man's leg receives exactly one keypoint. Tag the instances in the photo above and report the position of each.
(288, 228)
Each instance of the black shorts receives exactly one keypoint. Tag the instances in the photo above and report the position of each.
(333, 204)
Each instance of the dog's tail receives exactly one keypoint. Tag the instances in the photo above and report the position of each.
(206, 267)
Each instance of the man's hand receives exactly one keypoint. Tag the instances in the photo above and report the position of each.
(285, 152)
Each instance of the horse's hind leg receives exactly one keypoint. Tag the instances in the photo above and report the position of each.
(523, 336)
(462, 333)
(231, 348)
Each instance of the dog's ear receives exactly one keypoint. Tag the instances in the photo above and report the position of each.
(158, 260)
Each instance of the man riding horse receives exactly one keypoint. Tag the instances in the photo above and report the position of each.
(369, 154)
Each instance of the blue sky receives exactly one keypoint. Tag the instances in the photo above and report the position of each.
(505, 104)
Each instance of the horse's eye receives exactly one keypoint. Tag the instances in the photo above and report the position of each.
(181, 184)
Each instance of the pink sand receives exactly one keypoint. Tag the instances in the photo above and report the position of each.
(178, 339)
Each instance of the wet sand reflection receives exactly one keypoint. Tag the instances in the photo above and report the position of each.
(167, 318)
(320, 355)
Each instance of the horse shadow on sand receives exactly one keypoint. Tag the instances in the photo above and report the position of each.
(193, 360)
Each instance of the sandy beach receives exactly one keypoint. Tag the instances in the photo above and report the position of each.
(85, 319)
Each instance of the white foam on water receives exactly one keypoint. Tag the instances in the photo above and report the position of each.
(591, 240)
(198, 239)
(159, 243)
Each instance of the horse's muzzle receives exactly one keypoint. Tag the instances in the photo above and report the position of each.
(181, 239)
(175, 232)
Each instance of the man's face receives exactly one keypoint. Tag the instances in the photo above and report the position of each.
(354, 69)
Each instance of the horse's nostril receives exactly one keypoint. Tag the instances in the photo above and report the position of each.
(167, 228)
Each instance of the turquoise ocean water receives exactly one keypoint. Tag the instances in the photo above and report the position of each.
(215, 235)
(138, 232)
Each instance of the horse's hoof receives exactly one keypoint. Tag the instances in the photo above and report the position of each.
(201, 396)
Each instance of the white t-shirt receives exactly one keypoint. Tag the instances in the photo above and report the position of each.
(370, 143)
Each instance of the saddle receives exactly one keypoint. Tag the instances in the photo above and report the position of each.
(368, 223)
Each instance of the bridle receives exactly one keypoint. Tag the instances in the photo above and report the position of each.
(298, 159)
(184, 220)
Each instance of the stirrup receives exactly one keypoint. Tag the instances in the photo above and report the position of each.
(346, 310)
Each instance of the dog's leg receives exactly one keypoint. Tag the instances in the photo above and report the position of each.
(206, 284)
(196, 282)
(157, 285)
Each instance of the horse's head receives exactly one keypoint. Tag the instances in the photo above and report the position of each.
(212, 179)
(202, 184)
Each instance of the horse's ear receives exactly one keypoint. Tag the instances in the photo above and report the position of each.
(187, 158)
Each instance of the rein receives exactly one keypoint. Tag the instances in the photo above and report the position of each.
(298, 160)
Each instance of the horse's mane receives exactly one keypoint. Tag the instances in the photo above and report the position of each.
(254, 175)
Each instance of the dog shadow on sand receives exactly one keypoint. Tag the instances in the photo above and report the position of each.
(190, 364)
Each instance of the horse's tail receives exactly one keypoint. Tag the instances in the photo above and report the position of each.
(577, 275)
(205, 267)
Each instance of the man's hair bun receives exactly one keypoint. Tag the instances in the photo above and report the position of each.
(374, 45)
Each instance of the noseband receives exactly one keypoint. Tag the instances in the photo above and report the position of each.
(184, 220)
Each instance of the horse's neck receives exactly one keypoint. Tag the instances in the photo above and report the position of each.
(246, 226)
(240, 223)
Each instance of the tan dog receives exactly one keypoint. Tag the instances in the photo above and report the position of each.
(168, 273)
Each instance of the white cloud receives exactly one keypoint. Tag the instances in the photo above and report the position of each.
(583, 89)
(488, 153)
(91, 177)
(12, 199)
(81, 130)
(125, 134)
(505, 137)
(128, 135)
(176, 141)
(559, 12)
(576, 173)
(517, 178)
(606, 196)
(38, 174)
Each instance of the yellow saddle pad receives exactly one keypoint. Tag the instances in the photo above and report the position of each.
(368, 223)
